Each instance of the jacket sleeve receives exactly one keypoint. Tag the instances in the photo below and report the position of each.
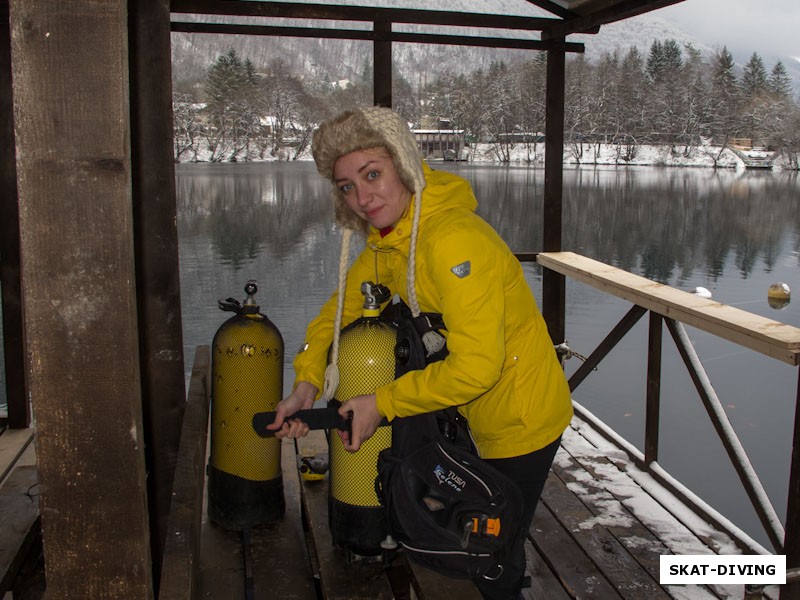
(311, 361)
(464, 265)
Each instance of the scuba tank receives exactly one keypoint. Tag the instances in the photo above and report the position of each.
(366, 361)
(245, 483)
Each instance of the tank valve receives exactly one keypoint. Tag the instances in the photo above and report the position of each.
(249, 307)
(375, 294)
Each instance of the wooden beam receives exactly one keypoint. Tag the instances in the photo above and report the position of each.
(362, 34)
(382, 66)
(617, 11)
(72, 124)
(553, 8)
(369, 14)
(758, 333)
(156, 250)
(19, 414)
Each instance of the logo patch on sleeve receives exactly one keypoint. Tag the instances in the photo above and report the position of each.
(461, 270)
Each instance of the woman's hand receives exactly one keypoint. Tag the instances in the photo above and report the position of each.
(302, 397)
(365, 420)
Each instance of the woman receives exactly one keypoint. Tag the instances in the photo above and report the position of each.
(425, 242)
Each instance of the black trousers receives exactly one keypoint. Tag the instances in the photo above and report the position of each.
(529, 472)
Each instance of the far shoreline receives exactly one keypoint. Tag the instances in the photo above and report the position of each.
(591, 155)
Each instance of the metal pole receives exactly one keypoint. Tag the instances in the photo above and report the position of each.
(620, 329)
(653, 389)
(744, 468)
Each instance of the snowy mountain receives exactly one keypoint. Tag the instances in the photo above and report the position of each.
(336, 60)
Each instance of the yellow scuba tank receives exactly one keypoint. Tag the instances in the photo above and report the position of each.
(245, 483)
(366, 361)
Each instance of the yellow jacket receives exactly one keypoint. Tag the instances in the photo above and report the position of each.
(501, 371)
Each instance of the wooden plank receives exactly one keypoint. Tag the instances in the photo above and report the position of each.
(675, 524)
(589, 531)
(221, 571)
(773, 338)
(13, 443)
(579, 576)
(588, 486)
(72, 127)
(586, 478)
(18, 522)
(182, 547)
(430, 585)
(281, 567)
(339, 579)
(545, 585)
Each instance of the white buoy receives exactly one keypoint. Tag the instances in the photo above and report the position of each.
(702, 292)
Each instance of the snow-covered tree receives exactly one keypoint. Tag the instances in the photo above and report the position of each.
(754, 77)
(233, 120)
(724, 96)
(779, 83)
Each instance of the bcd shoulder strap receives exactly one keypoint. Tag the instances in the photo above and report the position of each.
(411, 354)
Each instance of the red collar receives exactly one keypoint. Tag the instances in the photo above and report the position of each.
(386, 231)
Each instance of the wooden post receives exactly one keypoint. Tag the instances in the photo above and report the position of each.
(157, 267)
(19, 414)
(382, 66)
(553, 284)
(71, 115)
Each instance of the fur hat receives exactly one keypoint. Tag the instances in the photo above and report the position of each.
(360, 129)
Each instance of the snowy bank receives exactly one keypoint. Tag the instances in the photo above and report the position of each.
(575, 154)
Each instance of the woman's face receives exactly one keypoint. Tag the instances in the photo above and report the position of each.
(371, 186)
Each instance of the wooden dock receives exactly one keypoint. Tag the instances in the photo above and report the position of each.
(598, 533)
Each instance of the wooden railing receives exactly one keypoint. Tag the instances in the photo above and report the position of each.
(675, 308)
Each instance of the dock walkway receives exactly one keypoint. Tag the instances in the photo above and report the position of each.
(598, 533)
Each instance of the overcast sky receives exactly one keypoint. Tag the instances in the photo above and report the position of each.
(763, 26)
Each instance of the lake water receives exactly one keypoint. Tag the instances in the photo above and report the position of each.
(733, 233)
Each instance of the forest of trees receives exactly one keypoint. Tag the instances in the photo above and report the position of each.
(672, 96)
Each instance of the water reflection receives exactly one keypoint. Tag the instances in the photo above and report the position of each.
(249, 209)
(664, 224)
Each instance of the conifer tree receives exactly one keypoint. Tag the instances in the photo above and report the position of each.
(754, 77)
(724, 99)
(232, 106)
(779, 83)
(655, 61)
